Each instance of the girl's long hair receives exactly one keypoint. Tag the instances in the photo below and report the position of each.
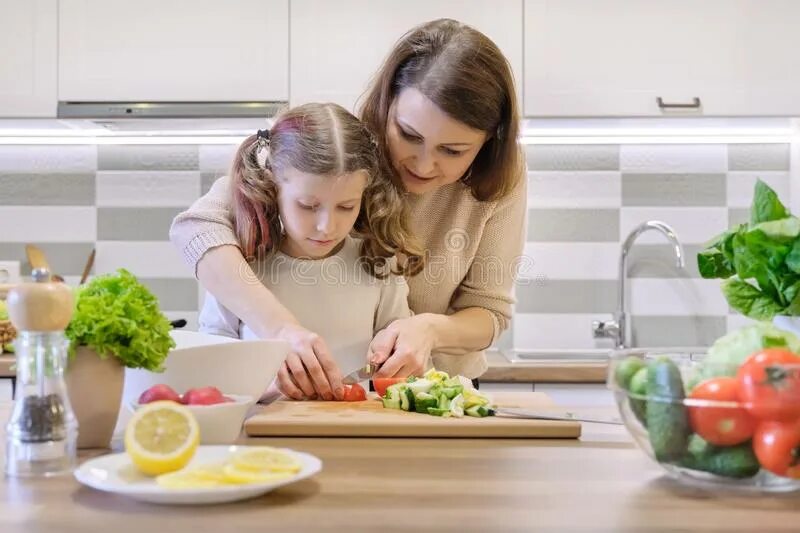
(321, 139)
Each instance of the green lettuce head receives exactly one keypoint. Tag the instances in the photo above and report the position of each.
(117, 316)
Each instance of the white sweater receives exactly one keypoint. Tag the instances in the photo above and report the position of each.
(333, 297)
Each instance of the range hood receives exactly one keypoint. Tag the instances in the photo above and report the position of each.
(167, 110)
(158, 118)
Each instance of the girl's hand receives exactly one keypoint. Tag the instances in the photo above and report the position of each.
(403, 348)
(309, 371)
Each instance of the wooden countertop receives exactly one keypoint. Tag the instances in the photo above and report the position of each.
(501, 369)
(600, 483)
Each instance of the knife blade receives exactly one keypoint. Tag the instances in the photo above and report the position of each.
(362, 374)
(554, 415)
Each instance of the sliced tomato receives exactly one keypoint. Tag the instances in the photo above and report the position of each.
(777, 447)
(381, 384)
(354, 393)
(723, 426)
(769, 384)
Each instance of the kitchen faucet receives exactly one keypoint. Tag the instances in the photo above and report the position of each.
(616, 329)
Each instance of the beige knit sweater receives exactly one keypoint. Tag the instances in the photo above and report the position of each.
(471, 249)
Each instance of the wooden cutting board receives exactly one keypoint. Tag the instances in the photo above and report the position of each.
(369, 419)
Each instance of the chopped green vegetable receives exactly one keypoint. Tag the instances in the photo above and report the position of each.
(437, 394)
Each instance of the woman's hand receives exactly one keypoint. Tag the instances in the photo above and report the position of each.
(403, 347)
(309, 371)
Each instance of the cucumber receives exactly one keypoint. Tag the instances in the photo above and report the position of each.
(638, 386)
(736, 462)
(626, 369)
(423, 401)
(667, 419)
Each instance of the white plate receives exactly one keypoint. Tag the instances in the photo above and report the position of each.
(116, 473)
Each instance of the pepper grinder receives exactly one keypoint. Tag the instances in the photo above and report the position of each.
(42, 433)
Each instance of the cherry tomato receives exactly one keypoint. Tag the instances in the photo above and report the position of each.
(769, 384)
(354, 393)
(722, 426)
(381, 384)
(777, 447)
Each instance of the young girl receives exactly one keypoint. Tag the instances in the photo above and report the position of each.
(322, 232)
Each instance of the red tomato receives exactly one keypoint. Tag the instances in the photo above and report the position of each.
(723, 426)
(769, 384)
(203, 396)
(354, 393)
(159, 392)
(381, 384)
(777, 447)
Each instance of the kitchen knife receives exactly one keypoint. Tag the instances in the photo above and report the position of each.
(38, 260)
(362, 374)
(554, 415)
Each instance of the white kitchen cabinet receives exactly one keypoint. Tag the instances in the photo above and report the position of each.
(28, 55)
(617, 57)
(336, 47)
(181, 50)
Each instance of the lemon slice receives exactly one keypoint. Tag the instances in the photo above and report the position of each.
(161, 437)
(206, 477)
(243, 476)
(268, 459)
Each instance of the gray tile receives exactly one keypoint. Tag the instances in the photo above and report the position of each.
(738, 215)
(566, 296)
(573, 225)
(147, 157)
(47, 189)
(135, 224)
(676, 330)
(572, 157)
(658, 261)
(208, 179)
(758, 157)
(65, 258)
(684, 190)
(173, 294)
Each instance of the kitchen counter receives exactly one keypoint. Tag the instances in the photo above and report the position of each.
(543, 371)
(599, 483)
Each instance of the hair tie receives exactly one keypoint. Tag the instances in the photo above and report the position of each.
(262, 138)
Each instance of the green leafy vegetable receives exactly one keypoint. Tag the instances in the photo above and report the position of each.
(116, 315)
(760, 261)
(766, 205)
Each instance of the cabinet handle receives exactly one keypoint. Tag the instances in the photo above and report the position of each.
(664, 105)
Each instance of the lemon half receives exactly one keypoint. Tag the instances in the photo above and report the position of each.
(161, 437)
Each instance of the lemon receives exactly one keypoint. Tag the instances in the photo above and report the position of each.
(243, 476)
(210, 476)
(161, 437)
(266, 459)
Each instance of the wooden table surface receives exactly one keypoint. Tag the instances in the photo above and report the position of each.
(600, 483)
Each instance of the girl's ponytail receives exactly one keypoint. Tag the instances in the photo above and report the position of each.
(255, 201)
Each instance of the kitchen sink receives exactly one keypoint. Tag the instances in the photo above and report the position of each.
(557, 355)
(587, 355)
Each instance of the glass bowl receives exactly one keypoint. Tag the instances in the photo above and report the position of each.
(665, 422)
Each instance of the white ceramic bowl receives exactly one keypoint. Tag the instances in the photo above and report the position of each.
(220, 423)
(199, 360)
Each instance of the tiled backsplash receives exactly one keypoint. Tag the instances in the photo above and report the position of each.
(583, 200)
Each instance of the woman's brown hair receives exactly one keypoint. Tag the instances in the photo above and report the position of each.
(327, 140)
(466, 75)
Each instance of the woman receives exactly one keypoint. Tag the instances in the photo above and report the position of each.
(444, 114)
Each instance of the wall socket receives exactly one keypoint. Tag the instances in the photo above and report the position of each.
(9, 272)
